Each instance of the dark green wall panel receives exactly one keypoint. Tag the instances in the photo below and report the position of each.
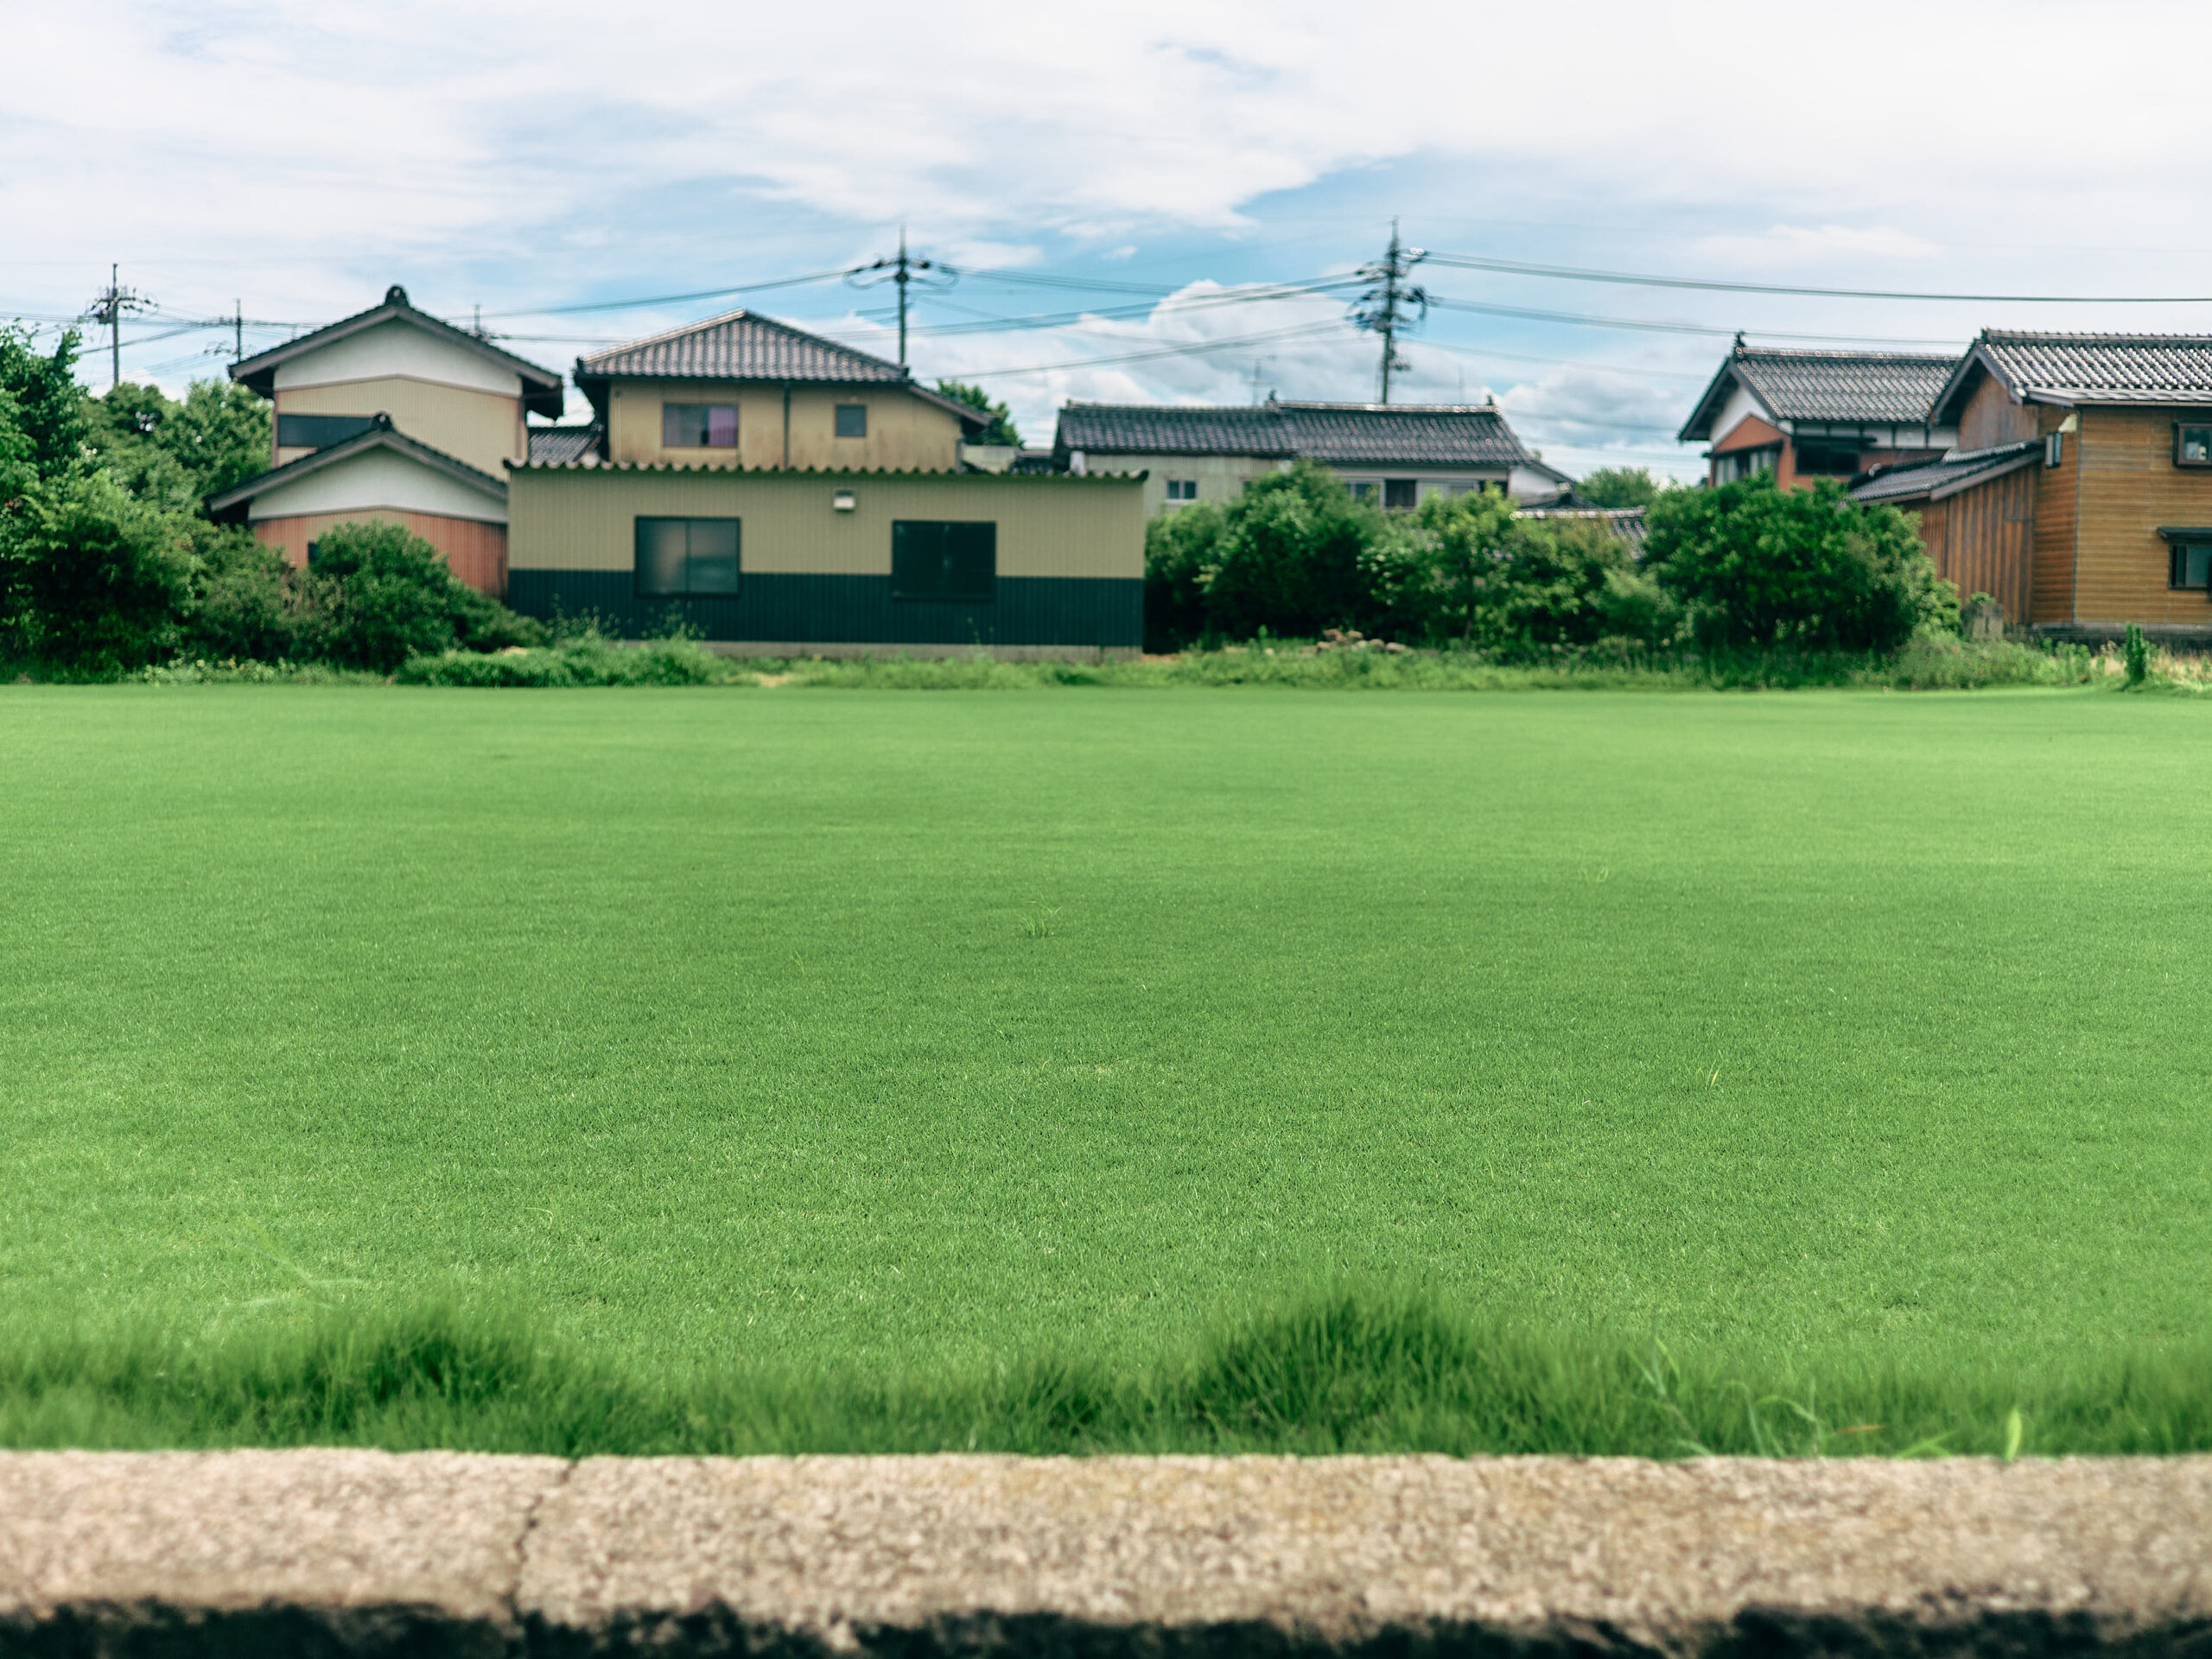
(847, 610)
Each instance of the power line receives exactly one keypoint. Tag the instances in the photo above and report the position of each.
(1646, 326)
(675, 299)
(1194, 349)
(1575, 274)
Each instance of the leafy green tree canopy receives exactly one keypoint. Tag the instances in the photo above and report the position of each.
(1002, 430)
(176, 455)
(1759, 568)
(46, 407)
(1620, 486)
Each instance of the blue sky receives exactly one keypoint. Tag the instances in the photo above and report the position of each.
(1158, 162)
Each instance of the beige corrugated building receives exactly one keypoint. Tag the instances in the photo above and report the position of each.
(776, 493)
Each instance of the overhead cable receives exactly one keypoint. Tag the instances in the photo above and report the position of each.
(1632, 279)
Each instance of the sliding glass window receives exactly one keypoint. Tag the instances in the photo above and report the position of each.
(682, 557)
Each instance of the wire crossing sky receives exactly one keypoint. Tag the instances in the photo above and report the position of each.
(1144, 201)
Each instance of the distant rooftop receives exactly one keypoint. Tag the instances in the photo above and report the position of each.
(1342, 435)
(1896, 388)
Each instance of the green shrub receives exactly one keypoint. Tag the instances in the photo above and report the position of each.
(1181, 552)
(379, 594)
(1758, 568)
(2137, 652)
(589, 660)
(1296, 556)
(91, 580)
(244, 605)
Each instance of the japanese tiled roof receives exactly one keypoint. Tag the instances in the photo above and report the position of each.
(541, 388)
(2102, 368)
(740, 345)
(555, 445)
(1340, 434)
(1790, 384)
(1946, 474)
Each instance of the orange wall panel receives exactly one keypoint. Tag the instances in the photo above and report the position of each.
(475, 552)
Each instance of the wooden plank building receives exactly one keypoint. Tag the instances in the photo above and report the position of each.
(2080, 495)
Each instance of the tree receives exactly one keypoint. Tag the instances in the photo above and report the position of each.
(1759, 568)
(1620, 486)
(1001, 430)
(175, 456)
(47, 407)
(90, 579)
(1296, 556)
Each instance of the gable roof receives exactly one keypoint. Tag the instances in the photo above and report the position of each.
(541, 388)
(1946, 475)
(739, 345)
(2087, 368)
(381, 435)
(1341, 435)
(1891, 388)
(745, 346)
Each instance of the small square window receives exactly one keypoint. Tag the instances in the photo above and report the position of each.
(2193, 445)
(1363, 489)
(1399, 494)
(852, 420)
(1180, 490)
(698, 426)
(2192, 566)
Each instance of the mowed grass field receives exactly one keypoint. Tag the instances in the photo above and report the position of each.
(894, 1031)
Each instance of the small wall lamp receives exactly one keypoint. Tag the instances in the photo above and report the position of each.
(844, 500)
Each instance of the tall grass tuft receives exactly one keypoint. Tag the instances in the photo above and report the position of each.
(1342, 1372)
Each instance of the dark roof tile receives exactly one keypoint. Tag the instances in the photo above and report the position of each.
(554, 445)
(1946, 474)
(2103, 368)
(1341, 435)
(739, 347)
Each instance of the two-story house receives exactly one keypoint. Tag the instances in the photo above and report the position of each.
(1802, 415)
(392, 413)
(779, 494)
(2079, 495)
(1396, 452)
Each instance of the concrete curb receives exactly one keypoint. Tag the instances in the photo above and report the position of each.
(330, 1553)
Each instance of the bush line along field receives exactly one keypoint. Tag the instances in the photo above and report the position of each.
(905, 1071)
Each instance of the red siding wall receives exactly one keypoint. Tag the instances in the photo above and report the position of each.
(475, 552)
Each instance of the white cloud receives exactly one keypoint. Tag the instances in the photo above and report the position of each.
(303, 154)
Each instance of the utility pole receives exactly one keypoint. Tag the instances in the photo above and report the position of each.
(108, 308)
(237, 332)
(1258, 375)
(904, 270)
(1390, 304)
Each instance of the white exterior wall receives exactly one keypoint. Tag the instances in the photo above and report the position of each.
(1223, 478)
(1740, 403)
(398, 348)
(379, 477)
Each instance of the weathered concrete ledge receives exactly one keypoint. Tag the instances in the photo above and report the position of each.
(328, 1553)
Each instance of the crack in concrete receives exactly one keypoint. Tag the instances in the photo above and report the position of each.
(345, 1553)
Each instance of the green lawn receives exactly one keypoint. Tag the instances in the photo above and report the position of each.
(899, 1030)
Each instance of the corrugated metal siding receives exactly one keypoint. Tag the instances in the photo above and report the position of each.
(585, 518)
(1107, 612)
